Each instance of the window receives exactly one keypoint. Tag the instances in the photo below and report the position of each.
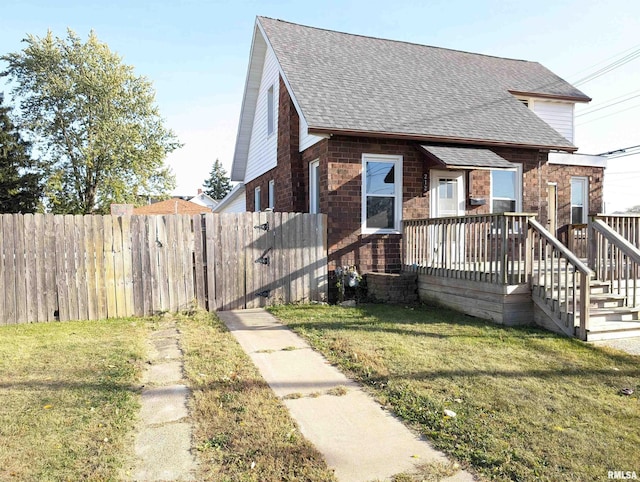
(256, 200)
(272, 194)
(506, 189)
(270, 111)
(381, 193)
(314, 187)
(579, 200)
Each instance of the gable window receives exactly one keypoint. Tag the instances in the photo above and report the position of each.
(270, 111)
(314, 187)
(256, 199)
(579, 200)
(506, 190)
(272, 194)
(381, 193)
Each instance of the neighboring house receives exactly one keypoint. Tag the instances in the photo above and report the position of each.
(372, 131)
(174, 205)
(203, 199)
(233, 202)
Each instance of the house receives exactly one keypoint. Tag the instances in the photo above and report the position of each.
(174, 205)
(373, 132)
(203, 199)
(233, 202)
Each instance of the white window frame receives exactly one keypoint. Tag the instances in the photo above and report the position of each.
(270, 110)
(272, 194)
(314, 194)
(585, 196)
(518, 187)
(397, 160)
(256, 199)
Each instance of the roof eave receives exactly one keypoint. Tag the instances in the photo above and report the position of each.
(570, 98)
(441, 139)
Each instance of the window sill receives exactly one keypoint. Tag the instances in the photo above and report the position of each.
(379, 231)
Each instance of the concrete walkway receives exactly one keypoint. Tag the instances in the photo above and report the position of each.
(630, 345)
(163, 443)
(358, 439)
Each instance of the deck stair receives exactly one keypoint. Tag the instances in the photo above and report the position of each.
(609, 317)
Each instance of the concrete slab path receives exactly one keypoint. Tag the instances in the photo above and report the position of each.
(163, 442)
(357, 437)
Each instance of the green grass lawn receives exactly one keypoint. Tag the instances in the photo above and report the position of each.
(242, 431)
(529, 405)
(68, 399)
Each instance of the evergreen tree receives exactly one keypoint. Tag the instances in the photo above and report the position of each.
(20, 188)
(218, 185)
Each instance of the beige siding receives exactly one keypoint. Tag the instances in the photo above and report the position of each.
(558, 115)
(262, 147)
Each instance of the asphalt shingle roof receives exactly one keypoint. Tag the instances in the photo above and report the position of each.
(468, 157)
(355, 83)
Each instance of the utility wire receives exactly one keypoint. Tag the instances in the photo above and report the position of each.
(621, 152)
(608, 115)
(610, 104)
(609, 67)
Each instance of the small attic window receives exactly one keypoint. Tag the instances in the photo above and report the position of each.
(525, 102)
(270, 113)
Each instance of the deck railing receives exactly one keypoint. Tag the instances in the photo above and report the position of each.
(559, 280)
(489, 248)
(614, 255)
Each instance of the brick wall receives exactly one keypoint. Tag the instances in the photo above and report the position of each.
(347, 246)
(562, 175)
(392, 288)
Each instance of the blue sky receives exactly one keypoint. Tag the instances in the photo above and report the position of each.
(196, 54)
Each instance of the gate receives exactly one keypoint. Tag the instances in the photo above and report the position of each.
(252, 260)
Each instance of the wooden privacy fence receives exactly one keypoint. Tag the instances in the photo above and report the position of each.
(94, 267)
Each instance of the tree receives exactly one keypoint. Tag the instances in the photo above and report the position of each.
(218, 184)
(20, 188)
(96, 124)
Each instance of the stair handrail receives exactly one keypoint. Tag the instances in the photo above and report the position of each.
(616, 239)
(585, 273)
(617, 262)
(566, 252)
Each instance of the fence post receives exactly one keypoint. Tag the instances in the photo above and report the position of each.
(504, 250)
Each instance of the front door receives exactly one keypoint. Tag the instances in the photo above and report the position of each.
(447, 200)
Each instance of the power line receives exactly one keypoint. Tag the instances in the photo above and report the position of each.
(623, 152)
(609, 67)
(605, 60)
(609, 115)
(610, 104)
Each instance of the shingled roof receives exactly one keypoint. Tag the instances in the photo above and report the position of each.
(356, 84)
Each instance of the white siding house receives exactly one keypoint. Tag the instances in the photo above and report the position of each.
(558, 115)
(234, 202)
(263, 147)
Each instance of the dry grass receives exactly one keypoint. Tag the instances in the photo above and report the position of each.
(67, 398)
(530, 405)
(242, 430)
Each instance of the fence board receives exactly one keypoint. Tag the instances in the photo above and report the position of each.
(10, 270)
(4, 282)
(101, 290)
(21, 269)
(80, 267)
(209, 256)
(137, 287)
(109, 268)
(90, 267)
(32, 295)
(199, 261)
(125, 222)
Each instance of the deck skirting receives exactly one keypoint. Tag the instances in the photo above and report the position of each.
(509, 305)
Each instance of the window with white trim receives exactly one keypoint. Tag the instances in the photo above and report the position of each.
(579, 200)
(270, 111)
(272, 194)
(314, 187)
(506, 190)
(381, 193)
(256, 199)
